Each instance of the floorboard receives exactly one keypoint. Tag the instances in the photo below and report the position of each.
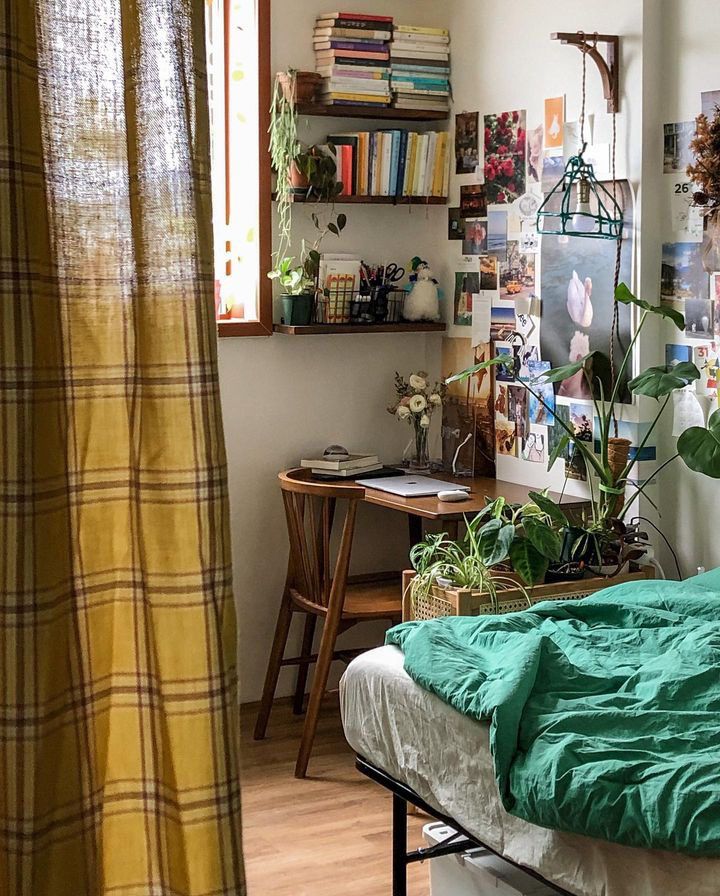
(327, 834)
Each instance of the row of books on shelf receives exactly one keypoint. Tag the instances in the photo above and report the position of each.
(393, 162)
(366, 59)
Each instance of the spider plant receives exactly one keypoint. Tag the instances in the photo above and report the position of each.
(284, 148)
(698, 447)
(438, 560)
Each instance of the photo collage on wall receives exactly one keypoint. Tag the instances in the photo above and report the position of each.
(539, 301)
(690, 265)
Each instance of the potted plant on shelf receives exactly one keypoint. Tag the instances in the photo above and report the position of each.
(298, 282)
(604, 532)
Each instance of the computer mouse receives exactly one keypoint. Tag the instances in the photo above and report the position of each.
(454, 494)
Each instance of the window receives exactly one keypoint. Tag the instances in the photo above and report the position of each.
(238, 33)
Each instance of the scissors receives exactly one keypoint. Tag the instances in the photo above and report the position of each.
(393, 273)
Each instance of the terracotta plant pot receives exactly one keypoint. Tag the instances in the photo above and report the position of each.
(298, 181)
(306, 86)
(618, 454)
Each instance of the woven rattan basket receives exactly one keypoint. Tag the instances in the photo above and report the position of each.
(466, 602)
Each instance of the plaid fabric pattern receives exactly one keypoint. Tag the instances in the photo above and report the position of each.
(118, 728)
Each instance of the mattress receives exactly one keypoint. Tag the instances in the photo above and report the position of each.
(445, 758)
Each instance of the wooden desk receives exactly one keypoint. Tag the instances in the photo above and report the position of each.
(430, 508)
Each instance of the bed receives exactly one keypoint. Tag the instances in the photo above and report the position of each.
(414, 740)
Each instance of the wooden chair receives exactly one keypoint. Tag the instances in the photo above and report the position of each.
(317, 590)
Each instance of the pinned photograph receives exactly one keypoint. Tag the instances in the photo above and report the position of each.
(473, 201)
(541, 412)
(677, 354)
(475, 239)
(505, 152)
(527, 354)
(535, 154)
(698, 318)
(534, 445)
(553, 170)
(518, 398)
(467, 153)
(488, 273)
(497, 225)
(677, 154)
(456, 225)
(504, 373)
(682, 274)
(710, 101)
(502, 322)
(705, 358)
(467, 284)
(517, 273)
(554, 122)
(505, 437)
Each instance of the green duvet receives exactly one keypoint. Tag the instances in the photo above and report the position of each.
(604, 713)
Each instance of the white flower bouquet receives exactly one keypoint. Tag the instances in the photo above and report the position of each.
(415, 403)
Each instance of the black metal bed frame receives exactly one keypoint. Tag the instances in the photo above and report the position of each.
(457, 843)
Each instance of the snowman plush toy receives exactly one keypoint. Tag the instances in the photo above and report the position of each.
(423, 301)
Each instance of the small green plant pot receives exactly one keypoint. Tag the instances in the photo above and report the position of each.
(297, 311)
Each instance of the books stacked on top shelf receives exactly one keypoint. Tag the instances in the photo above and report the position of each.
(352, 53)
(420, 60)
(393, 162)
(350, 466)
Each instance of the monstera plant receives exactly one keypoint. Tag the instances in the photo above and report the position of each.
(699, 447)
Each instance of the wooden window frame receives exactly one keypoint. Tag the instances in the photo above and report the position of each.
(263, 326)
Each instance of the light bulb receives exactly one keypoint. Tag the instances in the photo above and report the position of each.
(581, 221)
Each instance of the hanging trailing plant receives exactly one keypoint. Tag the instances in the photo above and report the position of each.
(284, 148)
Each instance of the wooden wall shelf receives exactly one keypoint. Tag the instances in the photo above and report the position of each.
(317, 329)
(379, 112)
(373, 200)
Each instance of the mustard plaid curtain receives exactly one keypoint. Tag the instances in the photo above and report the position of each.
(119, 765)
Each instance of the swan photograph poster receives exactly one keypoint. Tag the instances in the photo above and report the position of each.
(577, 297)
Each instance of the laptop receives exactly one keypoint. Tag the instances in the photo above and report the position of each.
(409, 486)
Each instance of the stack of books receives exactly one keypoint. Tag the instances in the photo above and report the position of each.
(352, 53)
(393, 162)
(420, 68)
(348, 467)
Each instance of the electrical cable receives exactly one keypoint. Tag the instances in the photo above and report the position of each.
(661, 534)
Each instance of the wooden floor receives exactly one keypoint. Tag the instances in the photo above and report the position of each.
(327, 834)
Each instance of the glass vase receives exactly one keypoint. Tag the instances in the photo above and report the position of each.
(420, 461)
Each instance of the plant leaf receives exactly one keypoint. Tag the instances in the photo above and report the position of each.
(700, 447)
(543, 538)
(558, 374)
(660, 381)
(548, 506)
(333, 229)
(494, 540)
(558, 451)
(623, 295)
(527, 561)
(341, 221)
(508, 361)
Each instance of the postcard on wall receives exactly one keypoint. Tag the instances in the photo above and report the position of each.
(553, 170)
(687, 220)
(504, 373)
(534, 445)
(576, 277)
(710, 101)
(456, 224)
(541, 412)
(677, 354)
(705, 358)
(488, 273)
(467, 154)
(475, 239)
(467, 284)
(535, 154)
(677, 154)
(502, 321)
(556, 433)
(481, 317)
(574, 136)
(518, 397)
(698, 318)
(517, 273)
(554, 122)
(473, 201)
(505, 152)
(497, 233)
(682, 274)
(581, 420)
(527, 354)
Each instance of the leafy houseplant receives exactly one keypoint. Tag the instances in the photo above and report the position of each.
(611, 469)
(317, 171)
(298, 282)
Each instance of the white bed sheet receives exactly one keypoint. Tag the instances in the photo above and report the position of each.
(445, 758)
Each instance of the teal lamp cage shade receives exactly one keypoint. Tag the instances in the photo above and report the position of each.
(579, 205)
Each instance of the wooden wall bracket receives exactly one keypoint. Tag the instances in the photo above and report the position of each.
(608, 65)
